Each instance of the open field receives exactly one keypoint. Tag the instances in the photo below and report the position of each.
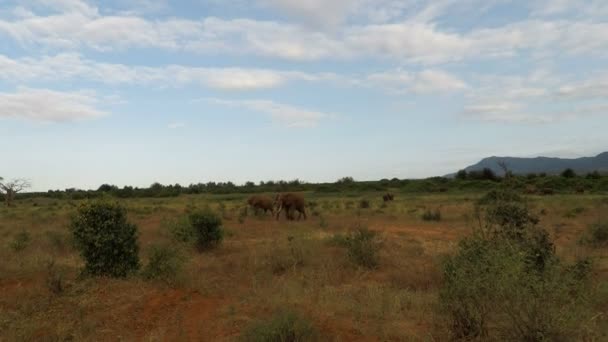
(263, 267)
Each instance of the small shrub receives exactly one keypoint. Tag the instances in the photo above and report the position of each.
(364, 204)
(281, 327)
(283, 259)
(597, 234)
(104, 238)
(54, 278)
(338, 240)
(164, 264)
(431, 215)
(323, 222)
(573, 213)
(242, 215)
(496, 196)
(349, 205)
(20, 241)
(180, 229)
(207, 227)
(223, 211)
(548, 191)
(363, 248)
(56, 240)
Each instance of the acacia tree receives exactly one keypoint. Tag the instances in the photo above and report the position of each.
(10, 188)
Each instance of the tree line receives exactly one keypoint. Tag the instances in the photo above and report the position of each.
(472, 181)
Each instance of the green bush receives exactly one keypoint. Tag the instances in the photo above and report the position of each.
(180, 229)
(431, 215)
(281, 327)
(513, 223)
(20, 241)
(207, 228)
(164, 264)
(490, 293)
(104, 238)
(505, 282)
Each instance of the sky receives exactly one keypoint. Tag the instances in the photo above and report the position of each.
(143, 91)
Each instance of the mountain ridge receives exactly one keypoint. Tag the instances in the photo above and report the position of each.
(540, 164)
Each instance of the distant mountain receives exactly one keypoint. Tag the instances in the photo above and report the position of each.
(544, 164)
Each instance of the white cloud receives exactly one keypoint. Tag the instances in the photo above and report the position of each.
(416, 39)
(287, 115)
(499, 112)
(73, 66)
(595, 87)
(48, 106)
(424, 82)
(588, 9)
(318, 12)
(176, 125)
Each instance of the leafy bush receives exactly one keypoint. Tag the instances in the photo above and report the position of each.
(281, 327)
(431, 215)
(490, 293)
(20, 241)
(105, 239)
(505, 282)
(180, 229)
(164, 264)
(207, 228)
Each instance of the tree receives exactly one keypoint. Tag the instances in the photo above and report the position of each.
(461, 174)
(10, 188)
(568, 173)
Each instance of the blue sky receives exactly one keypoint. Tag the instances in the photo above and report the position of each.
(133, 92)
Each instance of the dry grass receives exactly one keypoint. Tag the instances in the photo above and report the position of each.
(262, 267)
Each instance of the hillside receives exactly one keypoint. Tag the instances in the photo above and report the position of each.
(544, 164)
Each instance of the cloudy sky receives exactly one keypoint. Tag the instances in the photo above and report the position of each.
(132, 92)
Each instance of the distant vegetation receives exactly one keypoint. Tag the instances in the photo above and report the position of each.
(464, 181)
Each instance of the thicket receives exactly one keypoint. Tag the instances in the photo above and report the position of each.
(506, 283)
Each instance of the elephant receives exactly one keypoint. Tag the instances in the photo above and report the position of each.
(388, 197)
(259, 202)
(290, 202)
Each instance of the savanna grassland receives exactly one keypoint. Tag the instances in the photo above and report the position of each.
(266, 268)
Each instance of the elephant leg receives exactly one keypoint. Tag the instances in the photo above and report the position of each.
(290, 214)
